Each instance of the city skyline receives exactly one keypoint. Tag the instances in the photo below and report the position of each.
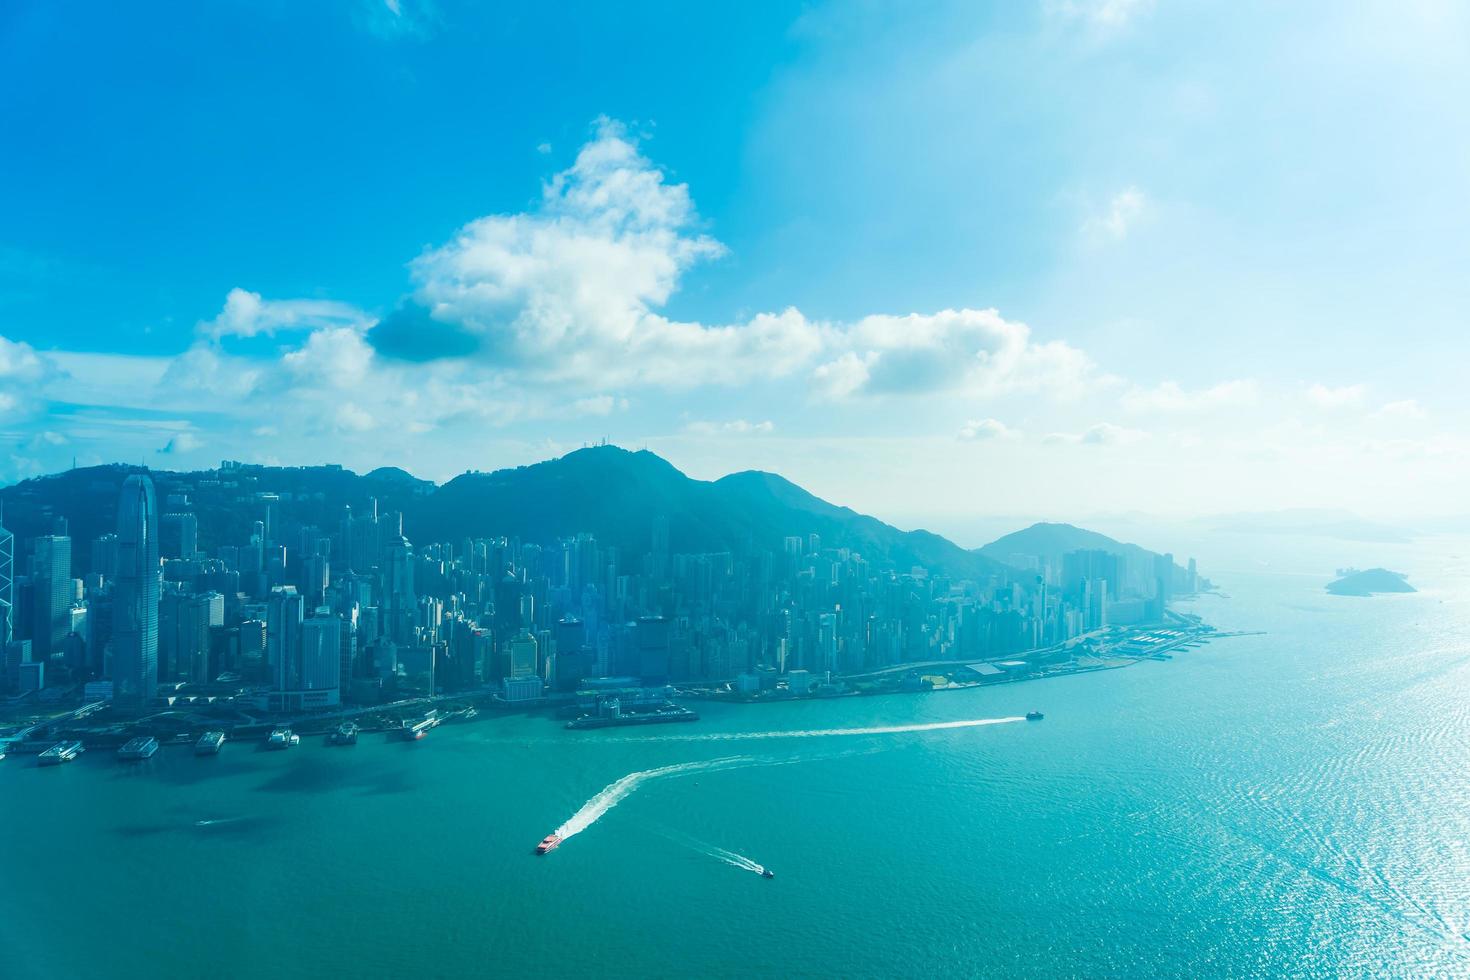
(1112, 285)
(298, 592)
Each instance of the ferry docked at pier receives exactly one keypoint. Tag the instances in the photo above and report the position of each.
(209, 743)
(417, 730)
(138, 749)
(346, 734)
(282, 738)
(59, 753)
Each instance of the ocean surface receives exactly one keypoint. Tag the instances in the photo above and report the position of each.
(1293, 804)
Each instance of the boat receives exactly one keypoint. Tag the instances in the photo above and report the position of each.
(1034, 715)
(209, 743)
(548, 843)
(767, 873)
(282, 738)
(137, 749)
(59, 753)
(346, 734)
(419, 729)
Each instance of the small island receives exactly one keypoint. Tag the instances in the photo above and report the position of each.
(1372, 581)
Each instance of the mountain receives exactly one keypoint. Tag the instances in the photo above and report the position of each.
(1049, 542)
(1052, 541)
(616, 495)
(1371, 581)
(611, 493)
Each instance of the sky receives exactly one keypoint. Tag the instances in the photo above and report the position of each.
(930, 260)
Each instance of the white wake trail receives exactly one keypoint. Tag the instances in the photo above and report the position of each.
(935, 726)
(618, 790)
(711, 850)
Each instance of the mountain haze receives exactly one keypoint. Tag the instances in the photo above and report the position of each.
(616, 495)
(1051, 541)
(609, 492)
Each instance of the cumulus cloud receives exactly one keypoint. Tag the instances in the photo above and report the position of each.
(980, 429)
(572, 291)
(732, 427)
(1122, 212)
(971, 351)
(600, 405)
(1347, 396)
(1102, 14)
(1407, 410)
(1170, 397)
(351, 418)
(547, 312)
(184, 442)
(22, 373)
(247, 314)
(1101, 434)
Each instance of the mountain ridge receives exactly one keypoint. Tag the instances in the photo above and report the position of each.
(611, 492)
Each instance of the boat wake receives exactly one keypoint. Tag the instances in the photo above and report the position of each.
(618, 790)
(719, 853)
(935, 726)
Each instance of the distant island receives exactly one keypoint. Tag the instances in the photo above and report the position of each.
(1372, 581)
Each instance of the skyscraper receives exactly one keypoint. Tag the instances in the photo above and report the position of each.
(321, 661)
(178, 535)
(135, 598)
(53, 596)
(7, 586)
(284, 614)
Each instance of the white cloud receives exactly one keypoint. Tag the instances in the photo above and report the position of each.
(19, 362)
(969, 351)
(184, 442)
(1122, 212)
(351, 418)
(22, 373)
(246, 314)
(1407, 410)
(978, 429)
(390, 19)
(732, 427)
(334, 356)
(1347, 396)
(1101, 14)
(600, 405)
(537, 315)
(1101, 434)
(571, 291)
(1168, 396)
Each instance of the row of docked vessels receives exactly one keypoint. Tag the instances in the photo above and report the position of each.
(210, 743)
(138, 749)
(282, 738)
(59, 753)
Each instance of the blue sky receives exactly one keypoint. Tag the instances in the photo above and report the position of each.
(927, 259)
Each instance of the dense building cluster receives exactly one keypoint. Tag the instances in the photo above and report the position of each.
(290, 615)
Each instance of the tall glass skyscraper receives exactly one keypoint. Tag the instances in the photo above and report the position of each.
(135, 596)
(7, 585)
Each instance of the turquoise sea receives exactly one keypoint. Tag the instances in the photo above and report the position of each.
(1293, 804)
